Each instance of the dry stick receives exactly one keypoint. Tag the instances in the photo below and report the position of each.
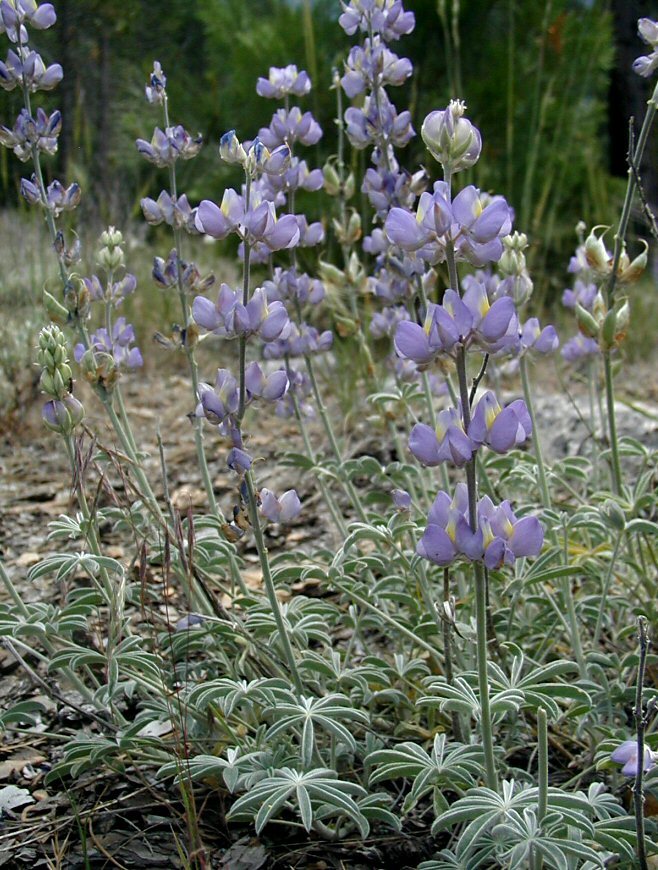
(634, 158)
(448, 623)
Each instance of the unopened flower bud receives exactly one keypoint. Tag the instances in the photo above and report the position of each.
(615, 326)
(599, 307)
(54, 309)
(331, 179)
(630, 272)
(586, 323)
(110, 258)
(63, 415)
(257, 156)
(111, 237)
(231, 150)
(598, 257)
(349, 186)
(330, 274)
(613, 516)
(608, 329)
(451, 139)
(353, 228)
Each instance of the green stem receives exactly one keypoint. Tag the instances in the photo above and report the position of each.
(615, 461)
(606, 587)
(536, 441)
(571, 616)
(542, 775)
(335, 449)
(270, 589)
(640, 724)
(324, 491)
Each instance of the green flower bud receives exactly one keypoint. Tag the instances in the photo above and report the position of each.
(613, 516)
(630, 272)
(598, 257)
(451, 139)
(111, 237)
(54, 309)
(63, 415)
(331, 179)
(586, 323)
(608, 330)
(110, 258)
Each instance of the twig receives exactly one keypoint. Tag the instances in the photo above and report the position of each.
(478, 378)
(648, 214)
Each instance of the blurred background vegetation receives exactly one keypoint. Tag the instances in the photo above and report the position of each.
(548, 82)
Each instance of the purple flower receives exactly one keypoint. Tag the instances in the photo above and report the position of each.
(58, 197)
(301, 341)
(270, 387)
(174, 212)
(238, 460)
(218, 402)
(166, 274)
(14, 15)
(31, 71)
(219, 221)
(289, 284)
(290, 127)
(499, 539)
(63, 415)
(118, 345)
(279, 510)
(373, 65)
(648, 32)
(626, 754)
(501, 429)
(580, 347)
(28, 132)
(447, 442)
(167, 146)
(386, 17)
(156, 88)
(401, 500)
(229, 318)
(539, 340)
(377, 120)
(446, 521)
(283, 81)
(482, 221)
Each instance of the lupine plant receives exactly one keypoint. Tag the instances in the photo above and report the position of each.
(468, 668)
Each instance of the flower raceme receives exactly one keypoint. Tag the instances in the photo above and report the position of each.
(229, 318)
(279, 510)
(282, 82)
(386, 17)
(459, 323)
(258, 223)
(220, 403)
(501, 429)
(16, 15)
(29, 71)
(473, 223)
(499, 539)
(169, 145)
